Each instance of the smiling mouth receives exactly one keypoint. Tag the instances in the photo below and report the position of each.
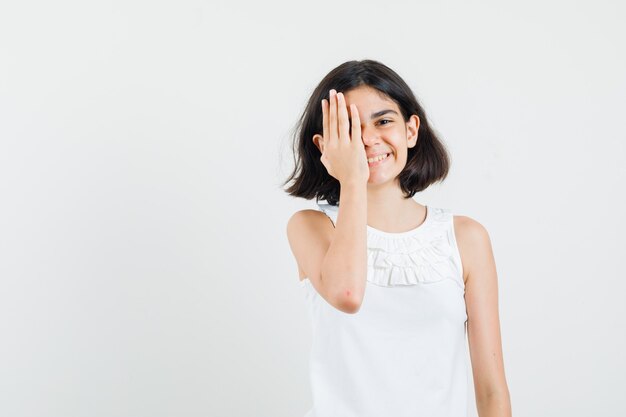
(378, 159)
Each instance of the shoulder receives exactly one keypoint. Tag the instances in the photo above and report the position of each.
(466, 228)
(307, 219)
(309, 233)
(473, 241)
(308, 226)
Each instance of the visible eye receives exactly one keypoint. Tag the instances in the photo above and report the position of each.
(385, 120)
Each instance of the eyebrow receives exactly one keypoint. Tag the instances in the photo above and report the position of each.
(382, 112)
(377, 114)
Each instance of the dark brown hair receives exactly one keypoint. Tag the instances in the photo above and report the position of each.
(427, 162)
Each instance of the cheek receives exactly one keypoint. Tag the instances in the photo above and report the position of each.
(401, 156)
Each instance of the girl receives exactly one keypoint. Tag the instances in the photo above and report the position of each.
(390, 283)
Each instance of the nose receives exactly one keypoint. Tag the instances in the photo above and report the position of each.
(370, 135)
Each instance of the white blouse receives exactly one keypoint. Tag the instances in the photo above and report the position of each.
(403, 354)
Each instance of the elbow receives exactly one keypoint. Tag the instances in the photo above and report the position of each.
(496, 402)
(349, 301)
(348, 306)
(345, 295)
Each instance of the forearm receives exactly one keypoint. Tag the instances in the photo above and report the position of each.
(344, 268)
(494, 405)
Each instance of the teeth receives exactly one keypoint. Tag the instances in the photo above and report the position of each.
(377, 158)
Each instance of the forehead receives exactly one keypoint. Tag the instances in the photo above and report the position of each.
(369, 98)
(369, 101)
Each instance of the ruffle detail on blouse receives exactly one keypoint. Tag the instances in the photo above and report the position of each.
(411, 260)
(425, 255)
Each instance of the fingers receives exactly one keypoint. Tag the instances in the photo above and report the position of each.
(356, 125)
(325, 123)
(343, 118)
(333, 134)
(336, 120)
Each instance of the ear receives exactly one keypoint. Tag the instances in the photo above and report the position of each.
(318, 141)
(412, 127)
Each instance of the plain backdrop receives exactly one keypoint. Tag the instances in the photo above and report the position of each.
(144, 264)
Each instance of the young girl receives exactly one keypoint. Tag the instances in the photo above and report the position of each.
(390, 283)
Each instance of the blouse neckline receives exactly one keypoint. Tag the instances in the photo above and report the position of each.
(413, 231)
(374, 231)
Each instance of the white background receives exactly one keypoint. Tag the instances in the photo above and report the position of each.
(144, 264)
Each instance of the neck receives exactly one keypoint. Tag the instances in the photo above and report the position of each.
(388, 209)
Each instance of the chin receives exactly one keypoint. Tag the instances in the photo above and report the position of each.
(378, 181)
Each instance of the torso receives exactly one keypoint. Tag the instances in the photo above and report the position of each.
(459, 231)
(404, 352)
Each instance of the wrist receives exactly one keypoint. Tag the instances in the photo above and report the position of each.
(352, 185)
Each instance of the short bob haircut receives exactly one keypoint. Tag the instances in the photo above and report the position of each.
(427, 162)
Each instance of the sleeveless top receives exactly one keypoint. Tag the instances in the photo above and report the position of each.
(403, 354)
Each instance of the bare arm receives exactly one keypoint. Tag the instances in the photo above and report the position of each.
(334, 259)
(344, 269)
(337, 266)
(483, 324)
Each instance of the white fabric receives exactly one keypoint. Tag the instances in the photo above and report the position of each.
(403, 354)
